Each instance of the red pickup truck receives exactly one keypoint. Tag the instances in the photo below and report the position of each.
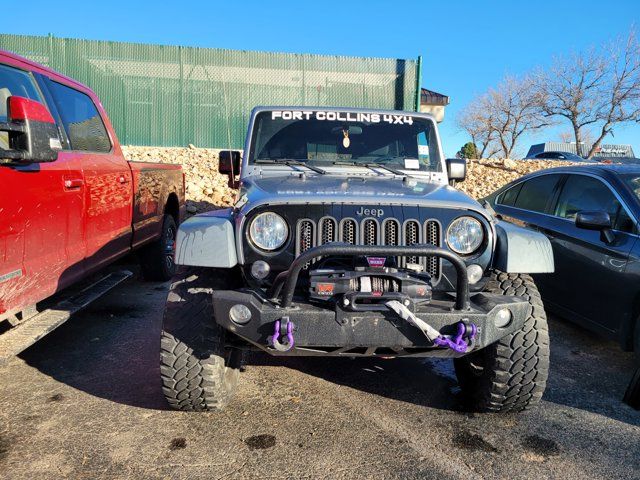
(70, 203)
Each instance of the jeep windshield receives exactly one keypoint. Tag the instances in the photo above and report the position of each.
(325, 138)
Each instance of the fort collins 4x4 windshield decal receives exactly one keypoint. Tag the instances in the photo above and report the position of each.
(323, 115)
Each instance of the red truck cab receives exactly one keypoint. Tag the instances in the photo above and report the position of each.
(70, 203)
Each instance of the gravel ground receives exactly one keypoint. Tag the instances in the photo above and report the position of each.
(86, 403)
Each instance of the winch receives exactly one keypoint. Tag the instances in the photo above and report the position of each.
(370, 284)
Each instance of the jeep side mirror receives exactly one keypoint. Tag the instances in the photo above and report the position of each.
(598, 220)
(456, 169)
(32, 132)
(229, 164)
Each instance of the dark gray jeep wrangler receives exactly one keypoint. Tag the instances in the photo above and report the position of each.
(347, 240)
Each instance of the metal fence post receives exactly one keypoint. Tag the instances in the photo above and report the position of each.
(418, 82)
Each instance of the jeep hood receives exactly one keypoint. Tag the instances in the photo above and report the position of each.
(367, 189)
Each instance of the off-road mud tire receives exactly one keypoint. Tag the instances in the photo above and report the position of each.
(198, 370)
(511, 374)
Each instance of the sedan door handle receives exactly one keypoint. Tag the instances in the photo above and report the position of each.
(73, 183)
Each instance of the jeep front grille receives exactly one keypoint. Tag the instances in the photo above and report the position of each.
(304, 237)
(349, 231)
(371, 232)
(327, 231)
(391, 232)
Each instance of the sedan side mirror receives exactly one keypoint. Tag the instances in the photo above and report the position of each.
(229, 164)
(598, 220)
(32, 131)
(456, 169)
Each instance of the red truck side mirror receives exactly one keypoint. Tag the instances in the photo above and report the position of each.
(229, 164)
(33, 135)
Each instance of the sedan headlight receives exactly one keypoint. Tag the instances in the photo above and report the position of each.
(465, 235)
(268, 231)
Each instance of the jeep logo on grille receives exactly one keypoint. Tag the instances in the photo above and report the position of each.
(370, 212)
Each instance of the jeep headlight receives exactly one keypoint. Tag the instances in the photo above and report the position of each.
(268, 231)
(465, 235)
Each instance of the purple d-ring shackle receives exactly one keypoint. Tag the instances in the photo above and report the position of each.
(457, 343)
(274, 339)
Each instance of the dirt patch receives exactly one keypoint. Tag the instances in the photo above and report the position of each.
(58, 397)
(472, 441)
(178, 443)
(5, 446)
(260, 442)
(541, 446)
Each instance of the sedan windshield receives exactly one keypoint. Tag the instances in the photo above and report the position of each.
(327, 138)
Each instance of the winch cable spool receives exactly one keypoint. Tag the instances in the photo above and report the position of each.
(374, 284)
(456, 343)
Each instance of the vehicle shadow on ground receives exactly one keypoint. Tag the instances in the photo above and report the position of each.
(111, 349)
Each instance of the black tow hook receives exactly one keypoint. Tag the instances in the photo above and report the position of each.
(282, 328)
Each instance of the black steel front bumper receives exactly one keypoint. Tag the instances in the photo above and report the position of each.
(328, 329)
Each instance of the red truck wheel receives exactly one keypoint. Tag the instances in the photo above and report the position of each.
(157, 258)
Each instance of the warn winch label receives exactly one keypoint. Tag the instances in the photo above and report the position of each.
(376, 262)
(362, 117)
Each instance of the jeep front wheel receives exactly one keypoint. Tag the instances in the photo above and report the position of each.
(511, 374)
(198, 370)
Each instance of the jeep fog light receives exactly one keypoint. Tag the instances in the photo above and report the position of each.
(260, 269)
(474, 272)
(503, 318)
(239, 314)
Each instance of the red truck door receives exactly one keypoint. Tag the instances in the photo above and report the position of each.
(41, 212)
(108, 192)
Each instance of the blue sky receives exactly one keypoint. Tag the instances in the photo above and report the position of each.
(467, 46)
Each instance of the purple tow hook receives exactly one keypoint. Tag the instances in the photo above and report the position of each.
(274, 339)
(458, 343)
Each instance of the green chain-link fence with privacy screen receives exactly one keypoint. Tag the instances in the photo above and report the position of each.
(172, 96)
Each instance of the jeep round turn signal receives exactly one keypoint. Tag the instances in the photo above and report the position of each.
(240, 314)
(260, 269)
(503, 318)
(474, 272)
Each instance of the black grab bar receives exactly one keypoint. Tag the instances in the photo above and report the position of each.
(290, 277)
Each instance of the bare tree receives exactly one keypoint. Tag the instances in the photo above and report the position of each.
(516, 111)
(621, 97)
(568, 137)
(477, 120)
(596, 88)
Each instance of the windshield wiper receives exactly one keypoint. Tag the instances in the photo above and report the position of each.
(291, 163)
(371, 166)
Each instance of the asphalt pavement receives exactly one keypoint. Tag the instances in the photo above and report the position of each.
(85, 402)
